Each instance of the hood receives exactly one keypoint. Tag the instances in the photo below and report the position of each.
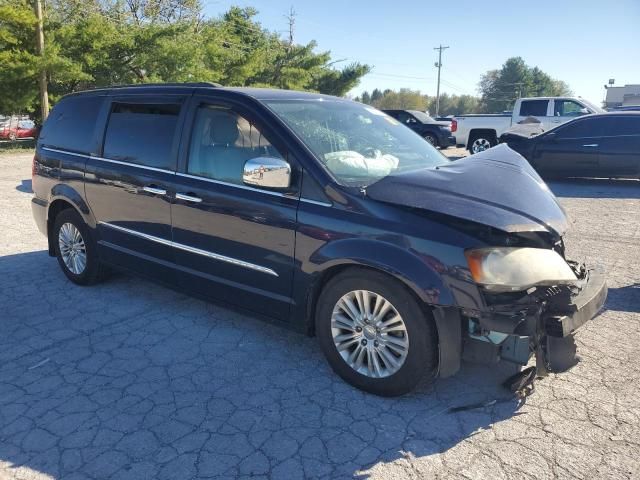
(497, 188)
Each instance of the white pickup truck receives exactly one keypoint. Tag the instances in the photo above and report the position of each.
(479, 132)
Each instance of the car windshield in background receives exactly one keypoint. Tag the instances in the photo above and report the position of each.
(423, 117)
(358, 144)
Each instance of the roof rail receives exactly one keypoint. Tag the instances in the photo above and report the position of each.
(169, 84)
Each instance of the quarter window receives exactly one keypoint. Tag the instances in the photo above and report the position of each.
(72, 123)
(534, 108)
(221, 143)
(142, 133)
(619, 125)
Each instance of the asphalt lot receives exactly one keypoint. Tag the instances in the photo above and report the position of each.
(130, 380)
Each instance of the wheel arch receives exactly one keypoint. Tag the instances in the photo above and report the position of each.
(63, 197)
(424, 283)
(475, 132)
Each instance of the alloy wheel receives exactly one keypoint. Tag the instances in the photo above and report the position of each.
(72, 248)
(431, 140)
(480, 145)
(369, 334)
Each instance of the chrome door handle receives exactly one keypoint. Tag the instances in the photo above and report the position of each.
(590, 145)
(188, 198)
(154, 190)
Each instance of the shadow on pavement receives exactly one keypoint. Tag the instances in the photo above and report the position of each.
(25, 186)
(595, 188)
(624, 299)
(130, 380)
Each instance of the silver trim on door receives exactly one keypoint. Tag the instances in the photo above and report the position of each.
(228, 184)
(102, 159)
(316, 202)
(197, 251)
(591, 145)
(188, 198)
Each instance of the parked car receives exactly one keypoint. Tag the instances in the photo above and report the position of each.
(626, 108)
(318, 213)
(481, 131)
(602, 145)
(436, 133)
(21, 129)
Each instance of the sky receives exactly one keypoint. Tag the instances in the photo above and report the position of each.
(584, 43)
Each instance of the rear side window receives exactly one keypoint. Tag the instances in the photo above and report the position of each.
(142, 133)
(534, 108)
(616, 126)
(71, 124)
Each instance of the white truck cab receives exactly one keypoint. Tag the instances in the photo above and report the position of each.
(479, 132)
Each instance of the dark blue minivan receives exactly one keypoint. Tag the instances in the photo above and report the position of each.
(321, 214)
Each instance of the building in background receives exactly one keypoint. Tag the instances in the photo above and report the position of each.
(622, 96)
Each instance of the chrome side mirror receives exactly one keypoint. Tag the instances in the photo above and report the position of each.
(267, 172)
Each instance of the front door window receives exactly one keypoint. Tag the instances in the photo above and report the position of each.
(221, 143)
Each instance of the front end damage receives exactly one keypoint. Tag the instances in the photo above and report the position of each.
(540, 321)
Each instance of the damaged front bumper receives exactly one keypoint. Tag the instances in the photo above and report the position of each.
(541, 322)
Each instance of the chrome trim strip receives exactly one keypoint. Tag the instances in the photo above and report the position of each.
(228, 184)
(48, 149)
(316, 202)
(117, 162)
(187, 248)
(129, 164)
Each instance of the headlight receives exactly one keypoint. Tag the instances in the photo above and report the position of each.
(504, 269)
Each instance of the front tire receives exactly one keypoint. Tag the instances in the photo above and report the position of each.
(375, 334)
(76, 249)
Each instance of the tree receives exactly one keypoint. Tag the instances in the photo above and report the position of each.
(501, 88)
(375, 96)
(96, 43)
(404, 98)
(366, 98)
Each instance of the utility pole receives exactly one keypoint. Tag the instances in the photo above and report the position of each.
(44, 95)
(291, 18)
(439, 65)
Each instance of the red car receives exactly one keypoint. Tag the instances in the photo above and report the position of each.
(24, 129)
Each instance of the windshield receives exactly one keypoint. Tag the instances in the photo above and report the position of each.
(423, 117)
(358, 144)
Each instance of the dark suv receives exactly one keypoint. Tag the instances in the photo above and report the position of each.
(437, 133)
(321, 214)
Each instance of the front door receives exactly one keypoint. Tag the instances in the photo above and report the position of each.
(130, 186)
(233, 242)
(570, 150)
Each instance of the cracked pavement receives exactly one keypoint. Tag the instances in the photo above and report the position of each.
(127, 379)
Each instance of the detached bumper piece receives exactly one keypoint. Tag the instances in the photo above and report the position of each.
(564, 320)
(557, 349)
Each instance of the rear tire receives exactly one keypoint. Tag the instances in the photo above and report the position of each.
(431, 139)
(75, 249)
(376, 335)
(479, 142)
